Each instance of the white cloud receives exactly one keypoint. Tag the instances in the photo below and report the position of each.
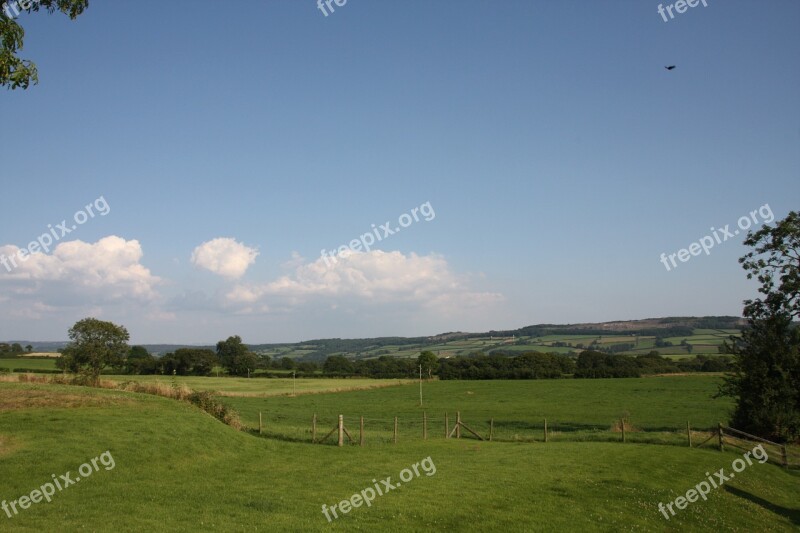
(225, 257)
(371, 278)
(109, 269)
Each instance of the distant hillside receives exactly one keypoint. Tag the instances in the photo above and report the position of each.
(659, 327)
(320, 348)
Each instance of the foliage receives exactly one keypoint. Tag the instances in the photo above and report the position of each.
(337, 365)
(140, 361)
(766, 384)
(10, 350)
(95, 345)
(208, 402)
(16, 72)
(529, 365)
(429, 362)
(189, 362)
(235, 357)
(592, 364)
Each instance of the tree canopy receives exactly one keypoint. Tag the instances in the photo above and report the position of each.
(95, 344)
(14, 71)
(766, 383)
(235, 357)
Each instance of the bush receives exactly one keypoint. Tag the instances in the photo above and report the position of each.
(206, 401)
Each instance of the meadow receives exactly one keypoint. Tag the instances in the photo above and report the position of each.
(232, 386)
(177, 468)
(657, 408)
(28, 363)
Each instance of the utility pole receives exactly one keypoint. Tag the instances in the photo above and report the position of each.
(420, 385)
(294, 383)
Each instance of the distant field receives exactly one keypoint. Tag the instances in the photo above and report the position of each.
(264, 386)
(29, 363)
(704, 341)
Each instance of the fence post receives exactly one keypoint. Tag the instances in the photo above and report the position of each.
(784, 456)
(458, 424)
(341, 430)
(361, 436)
(721, 437)
(446, 426)
(545, 430)
(395, 430)
(622, 421)
(689, 434)
(424, 425)
(314, 429)
(491, 429)
(260, 425)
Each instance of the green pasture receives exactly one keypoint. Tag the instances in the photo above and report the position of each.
(178, 469)
(29, 363)
(262, 386)
(657, 408)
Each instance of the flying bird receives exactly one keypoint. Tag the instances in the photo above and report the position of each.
(670, 67)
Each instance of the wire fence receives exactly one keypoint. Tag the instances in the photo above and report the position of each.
(368, 431)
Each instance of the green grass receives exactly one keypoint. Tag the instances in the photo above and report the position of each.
(177, 469)
(575, 409)
(29, 363)
(263, 386)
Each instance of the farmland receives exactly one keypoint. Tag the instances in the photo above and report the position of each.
(574, 408)
(702, 341)
(175, 466)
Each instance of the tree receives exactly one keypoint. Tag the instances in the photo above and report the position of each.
(140, 361)
(766, 381)
(337, 364)
(95, 344)
(429, 362)
(235, 357)
(202, 360)
(16, 72)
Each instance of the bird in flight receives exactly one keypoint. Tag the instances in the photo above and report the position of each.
(670, 67)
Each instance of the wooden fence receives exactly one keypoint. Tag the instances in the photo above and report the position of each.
(621, 430)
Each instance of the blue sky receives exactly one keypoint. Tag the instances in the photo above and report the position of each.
(231, 146)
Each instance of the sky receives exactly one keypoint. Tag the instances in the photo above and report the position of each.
(522, 162)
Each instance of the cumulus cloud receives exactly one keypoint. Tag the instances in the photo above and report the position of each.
(374, 277)
(225, 257)
(109, 269)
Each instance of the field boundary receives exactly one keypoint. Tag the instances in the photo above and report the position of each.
(387, 431)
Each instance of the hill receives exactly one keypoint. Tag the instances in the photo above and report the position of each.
(319, 349)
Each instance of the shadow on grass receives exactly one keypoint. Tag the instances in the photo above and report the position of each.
(791, 514)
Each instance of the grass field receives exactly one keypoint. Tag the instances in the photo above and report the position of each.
(227, 386)
(29, 363)
(575, 409)
(177, 469)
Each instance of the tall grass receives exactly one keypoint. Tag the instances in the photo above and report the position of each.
(205, 400)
